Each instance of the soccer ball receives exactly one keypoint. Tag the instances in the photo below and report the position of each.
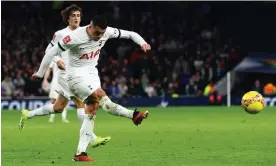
(252, 102)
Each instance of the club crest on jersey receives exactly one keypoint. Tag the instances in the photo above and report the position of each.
(101, 42)
(115, 31)
(66, 40)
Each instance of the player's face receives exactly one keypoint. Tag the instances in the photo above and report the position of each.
(97, 33)
(74, 19)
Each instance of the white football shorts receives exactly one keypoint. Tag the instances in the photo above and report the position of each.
(63, 87)
(84, 85)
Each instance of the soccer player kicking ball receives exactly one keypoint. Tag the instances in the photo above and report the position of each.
(72, 16)
(84, 45)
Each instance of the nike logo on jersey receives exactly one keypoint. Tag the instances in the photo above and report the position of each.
(82, 48)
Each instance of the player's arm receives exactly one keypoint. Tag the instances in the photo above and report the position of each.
(119, 33)
(47, 75)
(63, 45)
(49, 70)
(46, 61)
(56, 38)
(59, 62)
(57, 59)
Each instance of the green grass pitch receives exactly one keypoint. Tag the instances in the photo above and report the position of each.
(174, 136)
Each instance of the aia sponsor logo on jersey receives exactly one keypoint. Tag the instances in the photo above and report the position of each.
(90, 55)
(66, 40)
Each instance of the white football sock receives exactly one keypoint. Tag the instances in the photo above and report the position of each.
(52, 116)
(86, 133)
(115, 109)
(45, 110)
(64, 114)
(80, 113)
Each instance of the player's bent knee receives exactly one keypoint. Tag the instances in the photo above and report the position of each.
(91, 108)
(95, 97)
(91, 100)
(53, 101)
(58, 109)
(99, 93)
(60, 104)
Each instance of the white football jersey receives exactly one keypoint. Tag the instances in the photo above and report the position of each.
(64, 55)
(83, 51)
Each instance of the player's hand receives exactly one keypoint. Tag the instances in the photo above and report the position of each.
(60, 65)
(146, 47)
(36, 76)
(45, 84)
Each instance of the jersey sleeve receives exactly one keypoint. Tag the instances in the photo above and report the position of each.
(119, 33)
(47, 59)
(57, 36)
(52, 64)
(48, 47)
(67, 42)
(57, 58)
(113, 32)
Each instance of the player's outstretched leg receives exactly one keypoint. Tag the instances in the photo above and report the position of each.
(42, 111)
(139, 116)
(118, 110)
(57, 107)
(23, 118)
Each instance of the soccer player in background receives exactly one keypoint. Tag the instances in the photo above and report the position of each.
(84, 45)
(72, 16)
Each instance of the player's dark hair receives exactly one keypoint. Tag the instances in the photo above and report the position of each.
(68, 11)
(100, 21)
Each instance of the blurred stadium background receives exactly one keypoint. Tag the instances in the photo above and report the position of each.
(194, 46)
(202, 54)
